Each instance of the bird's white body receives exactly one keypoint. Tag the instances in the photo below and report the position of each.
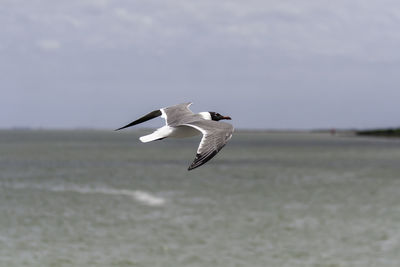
(168, 131)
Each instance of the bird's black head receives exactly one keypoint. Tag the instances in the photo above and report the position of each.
(216, 116)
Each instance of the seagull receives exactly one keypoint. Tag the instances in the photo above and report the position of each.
(181, 122)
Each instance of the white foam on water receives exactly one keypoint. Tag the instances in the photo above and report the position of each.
(148, 199)
(139, 195)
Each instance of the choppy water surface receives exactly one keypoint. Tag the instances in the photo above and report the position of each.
(93, 198)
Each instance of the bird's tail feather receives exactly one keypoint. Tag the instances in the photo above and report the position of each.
(148, 138)
(157, 135)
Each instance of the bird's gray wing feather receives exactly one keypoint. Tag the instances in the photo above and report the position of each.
(215, 136)
(178, 114)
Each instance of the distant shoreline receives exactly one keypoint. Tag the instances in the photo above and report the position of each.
(391, 132)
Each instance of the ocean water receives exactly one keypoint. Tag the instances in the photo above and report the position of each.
(98, 198)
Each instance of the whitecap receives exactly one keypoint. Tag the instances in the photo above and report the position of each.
(148, 199)
(139, 195)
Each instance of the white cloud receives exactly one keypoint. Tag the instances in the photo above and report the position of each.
(124, 14)
(77, 23)
(48, 44)
(96, 3)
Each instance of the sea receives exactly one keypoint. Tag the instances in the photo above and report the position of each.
(103, 198)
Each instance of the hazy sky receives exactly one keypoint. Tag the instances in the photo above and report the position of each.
(267, 64)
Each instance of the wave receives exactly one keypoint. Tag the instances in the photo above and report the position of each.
(139, 195)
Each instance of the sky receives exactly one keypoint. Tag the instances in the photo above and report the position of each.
(284, 64)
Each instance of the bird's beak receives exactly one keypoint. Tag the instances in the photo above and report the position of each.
(226, 118)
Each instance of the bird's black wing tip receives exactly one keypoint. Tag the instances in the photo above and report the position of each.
(121, 128)
(197, 162)
(202, 159)
(192, 167)
(149, 116)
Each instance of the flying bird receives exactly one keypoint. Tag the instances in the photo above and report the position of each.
(181, 122)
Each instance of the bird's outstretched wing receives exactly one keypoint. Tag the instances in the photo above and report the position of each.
(215, 136)
(149, 116)
(173, 115)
